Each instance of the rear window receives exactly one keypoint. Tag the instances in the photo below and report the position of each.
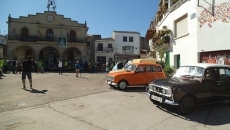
(158, 69)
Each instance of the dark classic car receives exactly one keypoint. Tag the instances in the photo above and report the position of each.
(192, 85)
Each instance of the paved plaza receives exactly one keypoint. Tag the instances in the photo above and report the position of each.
(64, 102)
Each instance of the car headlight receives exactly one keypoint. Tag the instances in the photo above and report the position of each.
(164, 91)
(168, 92)
(110, 78)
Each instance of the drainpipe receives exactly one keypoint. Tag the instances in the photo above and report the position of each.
(169, 4)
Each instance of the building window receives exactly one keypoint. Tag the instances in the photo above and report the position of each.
(181, 26)
(72, 36)
(100, 47)
(130, 39)
(24, 32)
(124, 38)
(110, 45)
(127, 49)
(49, 34)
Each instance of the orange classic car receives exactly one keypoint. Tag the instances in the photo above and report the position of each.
(136, 74)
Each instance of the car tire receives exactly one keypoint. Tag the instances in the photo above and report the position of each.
(186, 105)
(122, 85)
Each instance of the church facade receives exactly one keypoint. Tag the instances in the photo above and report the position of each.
(47, 36)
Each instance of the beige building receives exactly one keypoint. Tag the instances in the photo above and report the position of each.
(48, 36)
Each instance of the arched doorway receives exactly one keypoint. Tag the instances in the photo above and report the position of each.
(71, 55)
(50, 56)
(22, 53)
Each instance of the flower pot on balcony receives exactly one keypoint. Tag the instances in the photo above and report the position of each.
(166, 39)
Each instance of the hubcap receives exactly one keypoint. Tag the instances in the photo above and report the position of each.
(122, 85)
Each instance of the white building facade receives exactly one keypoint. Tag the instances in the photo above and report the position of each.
(199, 31)
(104, 50)
(127, 45)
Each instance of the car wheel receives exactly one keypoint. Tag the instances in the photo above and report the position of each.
(122, 85)
(186, 105)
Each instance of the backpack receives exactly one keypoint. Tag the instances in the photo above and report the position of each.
(77, 66)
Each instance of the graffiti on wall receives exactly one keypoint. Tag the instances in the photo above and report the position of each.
(216, 58)
(221, 13)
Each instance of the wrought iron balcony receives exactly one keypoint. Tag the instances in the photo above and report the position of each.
(37, 38)
(104, 49)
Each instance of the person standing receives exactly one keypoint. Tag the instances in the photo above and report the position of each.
(14, 66)
(1, 64)
(60, 67)
(26, 71)
(39, 65)
(107, 67)
(77, 68)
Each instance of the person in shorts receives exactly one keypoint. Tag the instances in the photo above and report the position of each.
(77, 68)
(26, 71)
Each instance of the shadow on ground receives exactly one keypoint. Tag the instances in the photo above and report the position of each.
(37, 91)
(212, 114)
(131, 89)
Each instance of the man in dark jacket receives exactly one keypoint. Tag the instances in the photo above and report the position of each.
(26, 71)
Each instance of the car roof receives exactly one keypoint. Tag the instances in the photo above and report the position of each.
(206, 65)
(146, 64)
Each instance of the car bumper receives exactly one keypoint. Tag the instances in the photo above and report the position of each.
(111, 83)
(164, 100)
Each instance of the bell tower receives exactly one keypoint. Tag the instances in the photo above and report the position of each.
(51, 5)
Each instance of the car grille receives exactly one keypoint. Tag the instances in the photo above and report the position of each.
(158, 90)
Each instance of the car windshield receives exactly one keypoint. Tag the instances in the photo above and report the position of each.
(119, 65)
(193, 71)
(131, 67)
(126, 66)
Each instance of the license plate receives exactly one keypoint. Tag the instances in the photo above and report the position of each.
(159, 99)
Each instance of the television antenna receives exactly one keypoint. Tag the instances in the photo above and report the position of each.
(51, 5)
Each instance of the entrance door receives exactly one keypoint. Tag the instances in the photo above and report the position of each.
(101, 59)
(70, 56)
(178, 61)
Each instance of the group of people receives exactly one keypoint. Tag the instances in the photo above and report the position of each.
(15, 66)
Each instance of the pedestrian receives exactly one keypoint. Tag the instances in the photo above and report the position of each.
(26, 71)
(59, 67)
(111, 65)
(1, 64)
(107, 67)
(77, 68)
(14, 66)
(39, 65)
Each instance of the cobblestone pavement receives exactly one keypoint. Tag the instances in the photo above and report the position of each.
(64, 102)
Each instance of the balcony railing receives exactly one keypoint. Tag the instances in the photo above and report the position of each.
(37, 38)
(127, 52)
(104, 49)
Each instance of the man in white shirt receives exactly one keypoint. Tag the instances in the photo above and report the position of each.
(59, 66)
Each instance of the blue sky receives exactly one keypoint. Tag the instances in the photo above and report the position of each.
(102, 16)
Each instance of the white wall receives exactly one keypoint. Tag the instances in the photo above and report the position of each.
(213, 35)
(185, 46)
(105, 44)
(119, 42)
